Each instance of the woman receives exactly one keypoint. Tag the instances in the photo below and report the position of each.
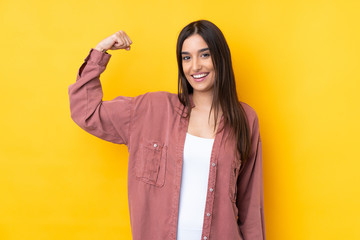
(195, 159)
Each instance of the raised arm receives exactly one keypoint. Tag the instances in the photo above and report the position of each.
(108, 120)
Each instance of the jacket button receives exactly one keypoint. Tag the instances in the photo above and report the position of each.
(208, 214)
(205, 237)
(213, 164)
(211, 189)
(155, 145)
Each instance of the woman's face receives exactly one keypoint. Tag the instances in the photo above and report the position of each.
(197, 64)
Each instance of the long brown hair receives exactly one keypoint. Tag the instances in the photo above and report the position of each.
(224, 90)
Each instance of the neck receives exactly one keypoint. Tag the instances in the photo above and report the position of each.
(202, 101)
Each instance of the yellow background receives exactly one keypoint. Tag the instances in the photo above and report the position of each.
(296, 62)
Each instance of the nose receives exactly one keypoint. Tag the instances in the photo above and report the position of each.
(196, 64)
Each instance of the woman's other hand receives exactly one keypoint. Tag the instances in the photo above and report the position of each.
(119, 40)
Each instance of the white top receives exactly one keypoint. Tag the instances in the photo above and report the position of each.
(194, 184)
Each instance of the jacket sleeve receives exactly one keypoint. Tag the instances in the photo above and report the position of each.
(108, 120)
(250, 200)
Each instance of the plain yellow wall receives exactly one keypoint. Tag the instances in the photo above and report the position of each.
(296, 62)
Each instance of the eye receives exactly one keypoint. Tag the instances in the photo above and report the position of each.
(186, 58)
(205, 55)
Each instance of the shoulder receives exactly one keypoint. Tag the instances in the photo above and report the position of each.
(250, 111)
(251, 115)
(154, 107)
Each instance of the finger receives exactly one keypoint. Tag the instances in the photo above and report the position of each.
(119, 42)
(123, 40)
(130, 42)
(127, 43)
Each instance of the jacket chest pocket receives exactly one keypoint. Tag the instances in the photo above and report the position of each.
(234, 174)
(150, 165)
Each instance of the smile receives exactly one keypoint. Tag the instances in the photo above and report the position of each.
(199, 77)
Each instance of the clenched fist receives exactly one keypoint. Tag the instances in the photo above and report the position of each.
(119, 40)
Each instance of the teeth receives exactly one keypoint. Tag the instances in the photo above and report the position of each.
(200, 75)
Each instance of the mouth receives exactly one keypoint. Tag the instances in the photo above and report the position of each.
(199, 77)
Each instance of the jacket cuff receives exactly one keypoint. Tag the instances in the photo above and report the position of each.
(98, 57)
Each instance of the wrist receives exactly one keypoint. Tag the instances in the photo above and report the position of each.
(101, 49)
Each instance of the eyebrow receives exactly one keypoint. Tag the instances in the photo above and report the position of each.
(201, 50)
